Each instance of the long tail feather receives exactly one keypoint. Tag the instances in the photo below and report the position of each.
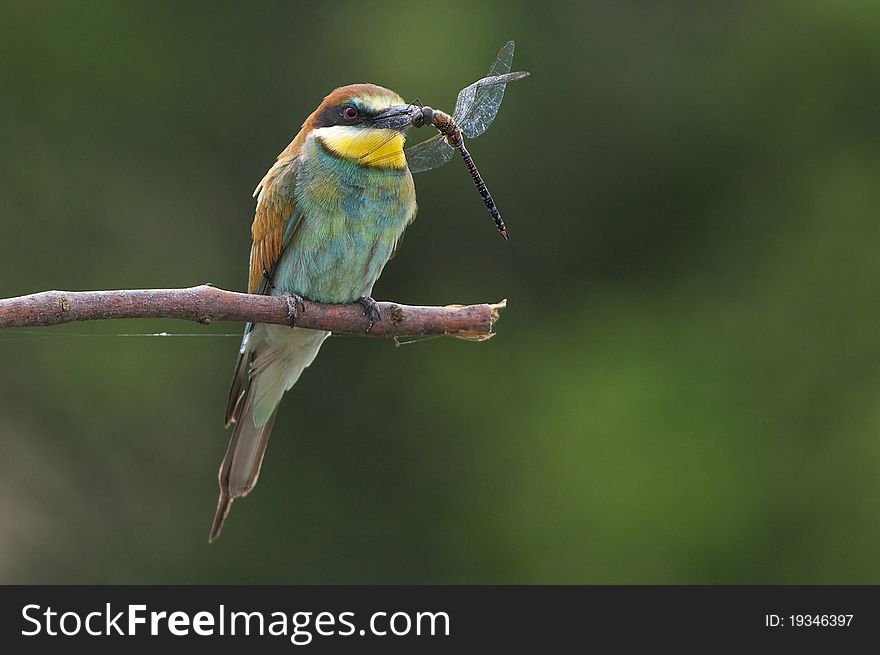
(224, 504)
(266, 368)
(241, 465)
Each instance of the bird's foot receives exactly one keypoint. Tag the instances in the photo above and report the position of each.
(295, 305)
(371, 310)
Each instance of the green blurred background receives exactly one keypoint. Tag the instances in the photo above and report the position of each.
(685, 387)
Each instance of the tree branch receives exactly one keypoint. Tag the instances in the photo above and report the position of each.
(206, 303)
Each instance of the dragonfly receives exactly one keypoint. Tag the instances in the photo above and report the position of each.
(475, 109)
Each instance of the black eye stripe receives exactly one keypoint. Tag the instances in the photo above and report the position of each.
(335, 115)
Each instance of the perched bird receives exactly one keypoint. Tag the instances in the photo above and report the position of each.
(330, 214)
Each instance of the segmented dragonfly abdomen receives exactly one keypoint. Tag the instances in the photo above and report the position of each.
(482, 188)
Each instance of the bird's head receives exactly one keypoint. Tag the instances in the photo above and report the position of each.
(364, 123)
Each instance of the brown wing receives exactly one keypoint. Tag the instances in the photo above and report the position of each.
(275, 207)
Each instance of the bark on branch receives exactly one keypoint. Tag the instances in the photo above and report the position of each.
(206, 303)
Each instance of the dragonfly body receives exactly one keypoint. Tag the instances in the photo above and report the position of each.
(448, 128)
(475, 109)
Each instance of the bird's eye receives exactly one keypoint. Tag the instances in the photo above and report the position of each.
(350, 112)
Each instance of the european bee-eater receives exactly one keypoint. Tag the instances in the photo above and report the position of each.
(330, 213)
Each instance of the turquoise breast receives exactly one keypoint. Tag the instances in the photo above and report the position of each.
(348, 219)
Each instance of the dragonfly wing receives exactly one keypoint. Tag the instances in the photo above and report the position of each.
(429, 154)
(485, 100)
(478, 104)
(503, 62)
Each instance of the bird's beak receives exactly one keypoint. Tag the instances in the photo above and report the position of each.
(396, 117)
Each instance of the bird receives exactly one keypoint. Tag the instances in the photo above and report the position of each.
(330, 213)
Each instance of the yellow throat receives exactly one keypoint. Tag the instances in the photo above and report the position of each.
(369, 147)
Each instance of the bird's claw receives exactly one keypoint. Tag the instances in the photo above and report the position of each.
(295, 305)
(371, 310)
